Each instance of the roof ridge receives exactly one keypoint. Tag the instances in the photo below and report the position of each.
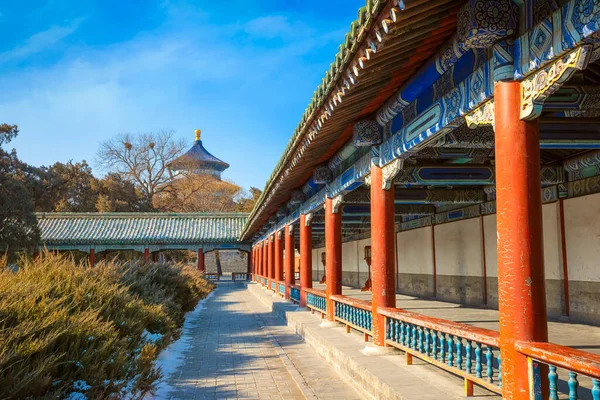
(139, 214)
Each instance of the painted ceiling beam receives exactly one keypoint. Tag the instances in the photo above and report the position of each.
(422, 196)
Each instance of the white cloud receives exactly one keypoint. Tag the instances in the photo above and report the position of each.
(164, 78)
(40, 41)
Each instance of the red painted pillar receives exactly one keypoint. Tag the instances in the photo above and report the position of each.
(256, 261)
(264, 260)
(147, 254)
(290, 257)
(333, 252)
(278, 256)
(305, 257)
(521, 292)
(383, 280)
(201, 263)
(270, 261)
(92, 257)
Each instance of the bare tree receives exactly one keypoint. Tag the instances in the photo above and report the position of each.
(143, 159)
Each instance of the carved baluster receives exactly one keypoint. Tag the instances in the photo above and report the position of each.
(450, 350)
(553, 383)
(443, 347)
(420, 340)
(596, 389)
(427, 335)
(469, 362)
(434, 339)
(573, 385)
(459, 359)
(490, 358)
(499, 370)
(413, 342)
(478, 367)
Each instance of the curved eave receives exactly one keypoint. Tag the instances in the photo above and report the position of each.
(416, 34)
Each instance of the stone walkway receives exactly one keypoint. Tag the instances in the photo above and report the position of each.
(240, 350)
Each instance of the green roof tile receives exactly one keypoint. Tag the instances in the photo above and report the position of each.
(140, 228)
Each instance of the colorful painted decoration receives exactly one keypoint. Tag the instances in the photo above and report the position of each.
(322, 175)
(481, 23)
(366, 133)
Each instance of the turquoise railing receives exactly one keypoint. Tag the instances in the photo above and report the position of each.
(354, 313)
(273, 285)
(240, 276)
(281, 288)
(315, 299)
(295, 294)
(581, 371)
(262, 280)
(464, 350)
(212, 277)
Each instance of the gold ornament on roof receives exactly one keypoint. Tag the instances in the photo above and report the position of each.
(198, 132)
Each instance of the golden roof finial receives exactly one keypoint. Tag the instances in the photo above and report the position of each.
(198, 132)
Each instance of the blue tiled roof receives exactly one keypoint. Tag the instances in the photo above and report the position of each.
(198, 156)
(140, 228)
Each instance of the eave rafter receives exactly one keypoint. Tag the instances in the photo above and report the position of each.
(357, 64)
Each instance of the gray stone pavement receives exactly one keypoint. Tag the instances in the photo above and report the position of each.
(242, 350)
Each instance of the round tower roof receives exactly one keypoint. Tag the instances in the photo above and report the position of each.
(197, 157)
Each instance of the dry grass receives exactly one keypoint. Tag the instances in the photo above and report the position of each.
(63, 322)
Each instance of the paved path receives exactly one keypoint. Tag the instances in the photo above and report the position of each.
(241, 350)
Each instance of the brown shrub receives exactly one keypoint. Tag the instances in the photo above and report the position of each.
(63, 322)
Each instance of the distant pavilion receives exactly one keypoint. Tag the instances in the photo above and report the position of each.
(199, 161)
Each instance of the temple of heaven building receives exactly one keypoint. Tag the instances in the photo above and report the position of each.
(198, 160)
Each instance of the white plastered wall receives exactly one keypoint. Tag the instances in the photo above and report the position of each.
(317, 264)
(415, 252)
(458, 248)
(582, 231)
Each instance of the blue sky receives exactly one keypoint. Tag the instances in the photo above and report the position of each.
(74, 73)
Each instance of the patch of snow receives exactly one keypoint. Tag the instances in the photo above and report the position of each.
(171, 358)
(81, 386)
(77, 396)
(152, 338)
(126, 391)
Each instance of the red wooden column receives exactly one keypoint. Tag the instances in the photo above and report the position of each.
(278, 256)
(290, 256)
(270, 261)
(201, 263)
(383, 280)
(92, 257)
(521, 292)
(264, 260)
(259, 260)
(147, 254)
(333, 252)
(305, 257)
